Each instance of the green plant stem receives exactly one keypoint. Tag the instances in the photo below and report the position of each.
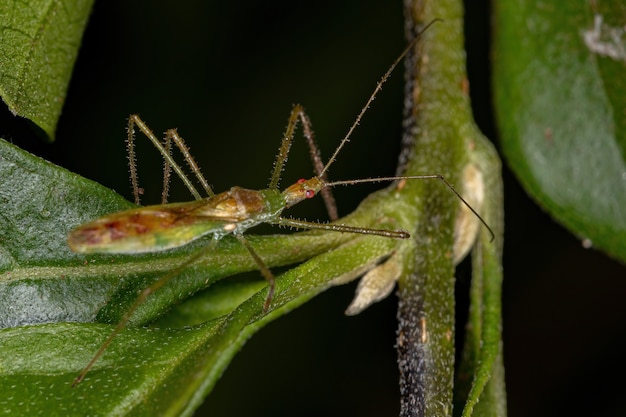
(439, 138)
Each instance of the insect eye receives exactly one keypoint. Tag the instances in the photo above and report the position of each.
(309, 193)
(301, 181)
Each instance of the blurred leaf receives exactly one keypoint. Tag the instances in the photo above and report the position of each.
(560, 100)
(39, 41)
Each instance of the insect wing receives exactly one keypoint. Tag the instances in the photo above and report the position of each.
(146, 229)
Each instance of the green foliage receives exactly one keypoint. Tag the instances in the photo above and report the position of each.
(40, 40)
(560, 98)
(163, 370)
(57, 307)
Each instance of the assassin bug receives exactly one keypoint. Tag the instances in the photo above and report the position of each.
(166, 226)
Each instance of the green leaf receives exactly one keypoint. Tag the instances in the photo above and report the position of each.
(560, 100)
(39, 41)
(59, 306)
(40, 203)
(50, 298)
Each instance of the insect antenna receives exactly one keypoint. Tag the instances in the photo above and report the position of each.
(323, 173)
(379, 87)
(415, 177)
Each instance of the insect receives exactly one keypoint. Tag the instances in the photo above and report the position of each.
(167, 226)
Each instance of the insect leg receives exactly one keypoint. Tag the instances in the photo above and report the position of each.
(265, 271)
(143, 295)
(302, 224)
(298, 114)
(132, 160)
(184, 149)
(314, 151)
(285, 145)
(135, 120)
(167, 170)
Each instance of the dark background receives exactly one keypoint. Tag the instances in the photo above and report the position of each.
(227, 75)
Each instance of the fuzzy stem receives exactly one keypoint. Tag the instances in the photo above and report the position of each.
(437, 116)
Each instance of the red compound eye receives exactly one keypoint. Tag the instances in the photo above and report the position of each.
(301, 181)
(309, 193)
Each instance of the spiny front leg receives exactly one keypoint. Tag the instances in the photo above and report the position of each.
(302, 224)
(316, 158)
(298, 115)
